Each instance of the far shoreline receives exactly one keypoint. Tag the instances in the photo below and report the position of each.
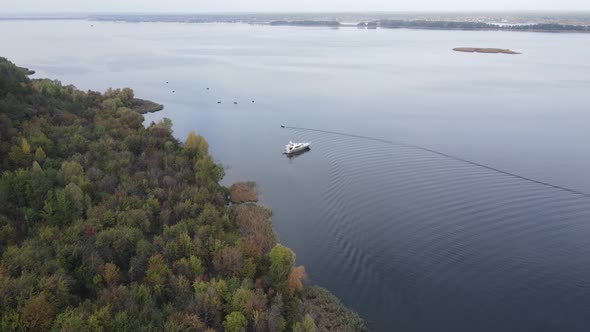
(417, 23)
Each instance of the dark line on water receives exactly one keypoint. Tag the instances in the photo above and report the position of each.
(491, 168)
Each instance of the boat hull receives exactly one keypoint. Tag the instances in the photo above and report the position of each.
(297, 150)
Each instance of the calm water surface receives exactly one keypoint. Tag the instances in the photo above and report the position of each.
(411, 239)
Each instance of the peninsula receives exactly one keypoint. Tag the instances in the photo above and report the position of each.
(110, 225)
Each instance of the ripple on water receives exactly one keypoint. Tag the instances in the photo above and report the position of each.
(430, 229)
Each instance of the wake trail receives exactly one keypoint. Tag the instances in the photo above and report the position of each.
(446, 155)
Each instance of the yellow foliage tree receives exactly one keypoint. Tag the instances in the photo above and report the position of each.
(25, 146)
(196, 145)
(111, 274)
(294, 283)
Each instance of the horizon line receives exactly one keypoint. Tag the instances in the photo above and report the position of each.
(241, 12)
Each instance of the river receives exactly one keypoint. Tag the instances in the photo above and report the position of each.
(443, 191)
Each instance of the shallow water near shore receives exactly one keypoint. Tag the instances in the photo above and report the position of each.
(412, 239)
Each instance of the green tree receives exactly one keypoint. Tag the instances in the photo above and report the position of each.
(40, 155)
(72, 172)
(235, 322)
(157, 273)
(77, 202)
(307, 325)
(281, 262)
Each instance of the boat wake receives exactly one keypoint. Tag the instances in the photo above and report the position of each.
(574, 191)
(408, 229)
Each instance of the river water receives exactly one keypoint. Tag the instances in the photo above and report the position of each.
(444, 190)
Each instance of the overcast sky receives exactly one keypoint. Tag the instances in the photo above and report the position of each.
(284, 5)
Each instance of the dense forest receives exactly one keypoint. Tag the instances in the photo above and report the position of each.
(109, 225)
(453, 25)
(443, 25)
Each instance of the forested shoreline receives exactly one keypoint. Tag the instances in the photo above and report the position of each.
(441, 25)
(108, 225)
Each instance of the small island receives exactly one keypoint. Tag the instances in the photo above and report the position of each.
(484, 50)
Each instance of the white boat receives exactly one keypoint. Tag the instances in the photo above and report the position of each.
(293, 148)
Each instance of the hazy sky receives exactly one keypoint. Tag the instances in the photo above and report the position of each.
(283, 5)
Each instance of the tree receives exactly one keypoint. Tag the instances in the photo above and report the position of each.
(294, 283)
(157, 273)
(276, 322)
(308, 325)
(37, 314)
(40, 155)
(72, 171)
(195, 145)
(111, 274)
(25, 147)
(281, 262)
(228, 261)
(76, 200)
(235, 322)
(183, 321)
(126, 95)
(242, 301)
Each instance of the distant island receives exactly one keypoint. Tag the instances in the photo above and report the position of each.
(484, 50)
(458, 25)
(438, 25)
(310, 23)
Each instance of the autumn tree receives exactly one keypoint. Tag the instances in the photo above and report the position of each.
(294, 283)
(111, 274)
(37, 314)
(195, 145)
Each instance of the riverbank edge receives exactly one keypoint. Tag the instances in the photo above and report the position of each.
(326, 309)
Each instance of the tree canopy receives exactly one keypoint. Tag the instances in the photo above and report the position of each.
(110, 225)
